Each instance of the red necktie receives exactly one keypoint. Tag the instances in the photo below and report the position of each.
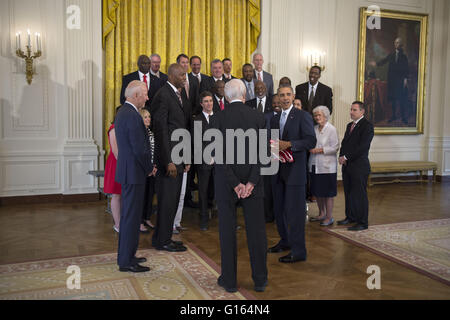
(145, 80)
(352, 127)
(221, 105)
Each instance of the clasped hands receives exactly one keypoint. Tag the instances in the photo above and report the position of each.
(244, 191)
(172, 169)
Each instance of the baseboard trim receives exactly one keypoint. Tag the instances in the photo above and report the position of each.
(51, 198)
(441, 179)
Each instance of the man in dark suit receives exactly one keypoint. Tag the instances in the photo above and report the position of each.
(219, 101)
(354, 158)
(240, 183)
(155, 65)
(196, 66)
(313, 93)
(297, 135)
(133, 166)
(170, 112)
(227, 66)
(397, 80)
(216, 74)
(249, 81)
(262, 75)
(201, 123)
(262, 102)
(152, 82)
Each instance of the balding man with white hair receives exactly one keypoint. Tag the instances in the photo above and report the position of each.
(240, 183)
(133, 166)
(262, 75)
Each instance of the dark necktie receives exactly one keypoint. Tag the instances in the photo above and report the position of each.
(310, 99)
(179, 97)
(352, 127)
(260, 108)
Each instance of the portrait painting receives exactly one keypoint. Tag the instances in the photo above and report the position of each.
(391, 70)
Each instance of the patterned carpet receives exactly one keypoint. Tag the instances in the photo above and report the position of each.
(187, 275)
(423, 246)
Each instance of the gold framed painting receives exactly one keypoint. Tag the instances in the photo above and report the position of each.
(391, 69)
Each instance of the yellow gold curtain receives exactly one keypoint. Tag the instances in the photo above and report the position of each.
(207, 28)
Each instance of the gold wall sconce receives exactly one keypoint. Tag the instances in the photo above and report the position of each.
(315, 59)
(28, 56)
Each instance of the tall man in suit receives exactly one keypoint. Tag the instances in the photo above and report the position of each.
(262, 102)
(249, 81)
(314, 93)
(240, 182)
(155, 65)
(196, 66)
(133, 166)
(170, 112)
(262, 75)
(152, 82)
(216, 74)
(354, 158)
(297, 134)
(201, 123)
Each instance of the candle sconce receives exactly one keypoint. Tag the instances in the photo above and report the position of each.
(28, 56)
(315, 59)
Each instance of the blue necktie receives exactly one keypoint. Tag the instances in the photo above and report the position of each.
(282, 123)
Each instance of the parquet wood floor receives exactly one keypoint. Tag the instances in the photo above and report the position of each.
(335, 269)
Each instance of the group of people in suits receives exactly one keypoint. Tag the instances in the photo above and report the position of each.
(193, 101)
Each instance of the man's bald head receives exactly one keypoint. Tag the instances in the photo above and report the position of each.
(176, 75)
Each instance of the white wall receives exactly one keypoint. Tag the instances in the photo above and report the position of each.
(291, 26)
(51, 130)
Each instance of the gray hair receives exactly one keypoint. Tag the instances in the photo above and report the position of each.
(155, 55)
(325, 111)
(216, 61)
(234, 89)
(133, 87)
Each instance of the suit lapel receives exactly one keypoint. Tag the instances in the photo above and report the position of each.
(174, 95)
(289, 119)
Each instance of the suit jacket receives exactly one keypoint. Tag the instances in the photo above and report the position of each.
(134, 160)
(163, 78)
(268, 81)
(202, 77)
(254, 104)
(299, 130)
(216, 106)
(323, 96)
(168, 115)
(155, 84)
(249, 96)
(198, 127)
(397, 72)
(227, 176)
(355, 146)
(208, 84)
(193, 101)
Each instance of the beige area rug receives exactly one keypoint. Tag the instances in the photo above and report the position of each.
(188, 275)
(423, 246)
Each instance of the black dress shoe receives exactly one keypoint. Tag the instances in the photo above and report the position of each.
(172, 247)
(357, 227)
(314, 219)
(345, 222)
(222, 284)
(204, 227)
(278, 248)
(291, 259)
(261, 288)
(140, 259)
(177, 243)
(134, 268)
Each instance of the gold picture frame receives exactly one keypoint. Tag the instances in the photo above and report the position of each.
(391, 69)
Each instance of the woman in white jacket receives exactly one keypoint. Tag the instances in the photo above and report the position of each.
(322, 166)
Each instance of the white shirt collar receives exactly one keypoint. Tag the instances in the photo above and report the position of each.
(237, 100)
(207, 115)
(173, 87)
(287, 111)
(263, 99)
(356, 122)
(154, 73)
(218, 99)
(215, 79)
(133, 106)
(313, 86)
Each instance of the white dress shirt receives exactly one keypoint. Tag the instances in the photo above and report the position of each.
(312, 87)
(156, 74)
(198, 76)
(327, 139)
(263, 103)
(207, 115)
(141, 77)
(261, 73)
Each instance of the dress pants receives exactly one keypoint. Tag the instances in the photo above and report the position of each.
(168, 196)
(290, 216)
(268, 198)
(130, 219)
(179, 214)
(148, 198)
(355, 190)
(205, 184)
(256, 238)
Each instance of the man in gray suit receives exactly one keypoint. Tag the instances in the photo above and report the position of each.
(262, 75)
(249, 81)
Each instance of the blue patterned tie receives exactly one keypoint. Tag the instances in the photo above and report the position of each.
(282, 123)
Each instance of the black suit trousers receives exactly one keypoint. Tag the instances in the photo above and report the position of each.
(148, 198)
(290, 216)
(130, 219)
(355, 189)
(204, 174)
(253, 208)
(168, 196)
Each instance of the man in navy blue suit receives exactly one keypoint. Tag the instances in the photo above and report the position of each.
(297, 134)
(133, 166)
